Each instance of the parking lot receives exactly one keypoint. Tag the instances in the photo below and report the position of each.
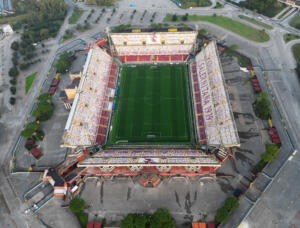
(52, 153)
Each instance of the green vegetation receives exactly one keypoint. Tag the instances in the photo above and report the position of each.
(101, 2)
(194, 3)
(76, 206)
(43, 20)
(30, 129)
(269, 8)
(29, 81)
(289, 37)
(285, 12)
(295, 22)
(270, 154)
(242, 60)
(75, 15)
(44, 109)
(160, 219)
(64, 62)
(121, 28)
(229, 24)
(152, 106)
(219, 6)
(68, 35)
(135, 221)
(253, 21)
(260, 165)
(296, 52)
(82, 28)
(262, 106)
(223, 213)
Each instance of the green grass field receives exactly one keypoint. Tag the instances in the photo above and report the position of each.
(296, 52)
(253, 21)
(295, 22)
(153, 106)
(237, 27)
(289, 37)
(75, 15)
(29, 80)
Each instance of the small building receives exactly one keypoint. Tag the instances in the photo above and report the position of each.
(7, 30)
(58, 183)
(67, 96)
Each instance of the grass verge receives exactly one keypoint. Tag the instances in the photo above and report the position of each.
(289, 37)
(193, 3)
(295, 22)
(285, 12)
(242, 60)
(77, 13)
(253, 21)
(296, 52)
(29, 81)
(229, 24)
(68, 35)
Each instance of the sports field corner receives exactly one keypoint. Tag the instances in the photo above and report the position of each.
(152, 106)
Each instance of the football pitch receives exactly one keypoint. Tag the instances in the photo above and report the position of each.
(152, 106)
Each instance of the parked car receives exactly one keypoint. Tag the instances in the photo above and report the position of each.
(52, 90)
(36, 152)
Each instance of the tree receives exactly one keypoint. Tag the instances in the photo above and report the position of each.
(43, 111)
(162, 219)
(38, 135)
(128, 221)
(15, 45)
(185, 17)
(270, 154)
(174, 17)
(30, 129)
(77, 205)
(13, 90)
(45, 97)
(230, 204)
(262, 106)
(134, 221)
(13, 72)
(12, 100)
(64, 62)
(140, 221)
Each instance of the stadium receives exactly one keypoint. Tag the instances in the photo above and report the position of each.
(150, 104)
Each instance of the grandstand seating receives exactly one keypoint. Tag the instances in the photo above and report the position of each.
(156, 47)
(92, 106)
(153, 58)
(153, 157)
(215, 123)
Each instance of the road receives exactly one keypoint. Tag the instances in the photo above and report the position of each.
(274, 54)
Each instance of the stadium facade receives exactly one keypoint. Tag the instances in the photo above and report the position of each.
(91, 116)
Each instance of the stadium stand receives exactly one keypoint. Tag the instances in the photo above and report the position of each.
(215, 122)
(88, 118)
(154, 47)
(150, 158)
